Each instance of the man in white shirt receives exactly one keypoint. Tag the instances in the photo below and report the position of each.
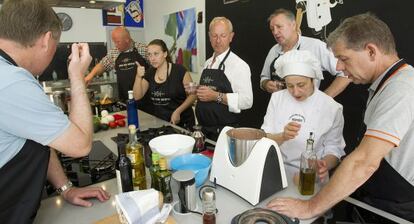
(283, 26)
(225, 86)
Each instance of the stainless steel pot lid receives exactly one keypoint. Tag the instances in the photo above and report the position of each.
(261, 216)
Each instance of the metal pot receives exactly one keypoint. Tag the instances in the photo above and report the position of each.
(241, 142)
(58, 97)
(61, 98)
(260, 215)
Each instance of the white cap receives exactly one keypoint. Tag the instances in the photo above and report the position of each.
(130, 94)
(298, 62)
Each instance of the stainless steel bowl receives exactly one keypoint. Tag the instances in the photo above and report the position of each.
(260, 215)
(241, 142)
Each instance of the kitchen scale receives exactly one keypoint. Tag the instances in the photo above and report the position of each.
(248, 164)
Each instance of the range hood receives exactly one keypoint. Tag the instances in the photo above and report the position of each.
(90, 4)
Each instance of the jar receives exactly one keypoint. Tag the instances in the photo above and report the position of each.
(199, 139)
(208, 200)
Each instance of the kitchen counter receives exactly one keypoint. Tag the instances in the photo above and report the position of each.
(56, 210)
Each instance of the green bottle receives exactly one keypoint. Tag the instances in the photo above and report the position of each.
(163, 179)
(154, 169)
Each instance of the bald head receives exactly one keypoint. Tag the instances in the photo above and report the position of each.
(121, 38)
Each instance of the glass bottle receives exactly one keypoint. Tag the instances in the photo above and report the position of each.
(134, 152)
(132, 112)
(154, 169)
(164, 179)
(124, 168)
(199, 139)
(208, 200)
(308, 168)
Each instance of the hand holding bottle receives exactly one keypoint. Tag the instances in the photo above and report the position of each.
(323, 170)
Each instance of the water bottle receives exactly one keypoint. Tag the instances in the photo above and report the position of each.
(132, 112)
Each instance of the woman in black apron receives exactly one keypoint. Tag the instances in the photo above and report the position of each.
(22, 179)
(166, 89)
(213, 116)
(386, 189)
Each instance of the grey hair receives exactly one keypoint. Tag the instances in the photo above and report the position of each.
(221, 19)
(358, 31)
(289, 14)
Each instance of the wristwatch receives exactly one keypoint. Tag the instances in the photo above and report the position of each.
(219, 98)
(65, 187)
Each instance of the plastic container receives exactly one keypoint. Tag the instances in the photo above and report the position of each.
(198, 163)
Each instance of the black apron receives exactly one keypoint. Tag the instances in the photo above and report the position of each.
(126, 70)
(273, 75)
(386, 189)
(166, 97)
(213, 116)
(22, 180)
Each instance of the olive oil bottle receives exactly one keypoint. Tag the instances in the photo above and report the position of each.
(164, 179)
(134, 152)
(308, 168)
(154, 169)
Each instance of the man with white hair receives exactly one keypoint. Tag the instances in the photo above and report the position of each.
(225, 86)
(300, 109)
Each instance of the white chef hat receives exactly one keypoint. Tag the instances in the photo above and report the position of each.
(298, 62)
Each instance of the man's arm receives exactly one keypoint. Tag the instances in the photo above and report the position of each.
(97, 70)
(355, 170)
(77, 139)
(73, 195)
(337, 86)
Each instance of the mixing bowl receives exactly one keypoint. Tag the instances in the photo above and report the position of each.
(198, 163)
(172, 145)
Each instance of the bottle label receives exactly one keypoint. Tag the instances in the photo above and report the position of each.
(132, 157)
(118, 181)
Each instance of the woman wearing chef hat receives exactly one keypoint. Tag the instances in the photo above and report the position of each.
(300, 109)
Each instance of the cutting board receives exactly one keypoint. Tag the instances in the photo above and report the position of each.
(113, 219)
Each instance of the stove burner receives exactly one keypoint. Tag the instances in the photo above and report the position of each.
(260, 215)
(98, 166)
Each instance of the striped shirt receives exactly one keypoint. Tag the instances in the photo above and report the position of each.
(108, 61)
